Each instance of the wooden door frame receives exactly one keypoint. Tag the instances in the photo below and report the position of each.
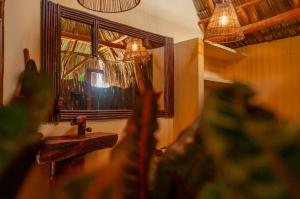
(1, 49)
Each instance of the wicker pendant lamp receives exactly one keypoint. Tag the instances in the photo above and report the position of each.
(109, 6)
(135, 50)
(224, 26)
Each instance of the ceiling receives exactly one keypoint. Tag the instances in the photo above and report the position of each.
(261, 20)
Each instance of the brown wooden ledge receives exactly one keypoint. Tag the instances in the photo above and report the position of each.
(64, 147)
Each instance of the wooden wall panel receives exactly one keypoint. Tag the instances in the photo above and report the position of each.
(273, 70)
(189, 84)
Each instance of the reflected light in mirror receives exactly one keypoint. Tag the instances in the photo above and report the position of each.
(98, 80)
(135, 49)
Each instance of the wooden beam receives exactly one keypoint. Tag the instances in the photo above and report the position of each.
(247, 4)
(113, 57)
(76, 53)
(112, 45)
(204, 21)
(26, 55)
(243, 16)
(77, 65)
(64, 147)
(245, 21)
(69, 55)
(253, 15)
(295, 3)
(211, 6)
(111, 52)
(86, 38)
(121, 39)
(272, 21)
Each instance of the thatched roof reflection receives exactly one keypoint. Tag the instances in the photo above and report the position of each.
(76, 54)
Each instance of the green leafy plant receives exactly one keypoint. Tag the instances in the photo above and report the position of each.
(233, 150)
(19, 122)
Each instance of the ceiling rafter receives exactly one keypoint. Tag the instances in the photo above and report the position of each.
(249, 3)
(121, 39)
(77, 66)
(272, 21)
(253, 17)
(211, 6)
(69, 54)
(295, 3)
(238, 8)
(76, 53)
(86, 38)
(110, 51)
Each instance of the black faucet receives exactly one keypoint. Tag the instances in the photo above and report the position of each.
(80, 121)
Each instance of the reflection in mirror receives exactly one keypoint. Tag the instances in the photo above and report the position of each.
(112, 79)
(76, 53)
(86, 56)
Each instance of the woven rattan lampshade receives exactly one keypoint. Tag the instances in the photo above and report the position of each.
(135, 49)
(109, 6)
(224, 26)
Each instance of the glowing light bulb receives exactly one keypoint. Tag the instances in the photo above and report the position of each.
(224, 20)
(134, 47)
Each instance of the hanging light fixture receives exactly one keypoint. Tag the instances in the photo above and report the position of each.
(224, 26)
(109, 6)
(135, 50)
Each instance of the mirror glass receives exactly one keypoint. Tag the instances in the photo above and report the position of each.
(107, 80)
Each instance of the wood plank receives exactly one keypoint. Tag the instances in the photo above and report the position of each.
(272, 21)
(77, 65)
(65, 147)
(1, 50)
(211, 6)
(121, 39)
(110, 51)
(295, 3)
(253, 16)
(247, 4)
(88, 39)
(243, 16)
(272, 70)
(69, 55)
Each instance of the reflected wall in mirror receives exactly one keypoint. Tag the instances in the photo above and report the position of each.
(99, 73)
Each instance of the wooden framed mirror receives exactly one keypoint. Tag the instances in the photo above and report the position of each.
(84, 54)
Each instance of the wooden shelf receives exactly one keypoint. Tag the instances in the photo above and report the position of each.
(220, 52)
(213, 77)
(64, 147)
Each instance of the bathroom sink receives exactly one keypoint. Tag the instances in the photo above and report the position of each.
(60, 148)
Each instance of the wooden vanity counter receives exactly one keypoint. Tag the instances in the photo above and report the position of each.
(60, 148)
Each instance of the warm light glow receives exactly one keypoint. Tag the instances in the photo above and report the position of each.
(224, 20)
(134, 47)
